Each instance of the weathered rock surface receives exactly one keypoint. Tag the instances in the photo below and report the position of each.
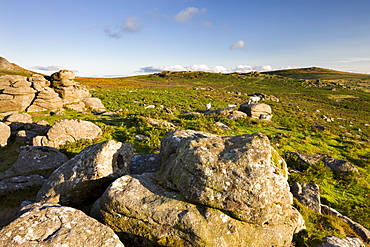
(260, 110)
(19, 93)
(359, 229)
(210, 190)
(94, 104)
(336, 165)
(229, 112)
(14, 184)
(87, 174)
(341, 242)
(35, 160)
(339, 166)
(5, 133)
(54, 225)
(18, 117)
(145, 163)
(46, 100)
(308, 194)
(242, 175)
(68, 130)
(144, 214)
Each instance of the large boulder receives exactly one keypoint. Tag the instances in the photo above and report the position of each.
(68, 130)
(210, 191)
(4, 134)
(87, 174)
(142, 213)
(262, 111)
(35, 160)
(242, 175)
(54, 225)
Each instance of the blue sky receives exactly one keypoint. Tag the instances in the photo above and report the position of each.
(119, 38)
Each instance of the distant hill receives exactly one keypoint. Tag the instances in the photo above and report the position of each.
(317, 73)
(12, 69)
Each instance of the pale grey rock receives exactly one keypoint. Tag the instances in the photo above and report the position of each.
(5, 133)
(144, 214)
(358, 228)
(54, 225)
(222, 126)
(16, 103)
(308, 158)
(35, 160)
(63, 74)
(87, 174)
(336, 165)
(173, 140)
(339, 166)
(46, 100)
(333, 241)
(72, 94)
(68, 130)
(242, 175)
(94, 104)
(11, 185)
(80, 106)
(18, 117)
(256, 110)
(39, 82)
(19, 91)
(308, 194)
(237, 115)
(145, 163)
(223, 111)
(161, 123)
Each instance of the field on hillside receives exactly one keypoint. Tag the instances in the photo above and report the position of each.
(301, 105)
(300, 108)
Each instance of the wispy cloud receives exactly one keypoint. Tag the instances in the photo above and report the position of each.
(130, 25)
(48, 68)
(354, 60)
(206, 68)
(238, 45)
(188, 14)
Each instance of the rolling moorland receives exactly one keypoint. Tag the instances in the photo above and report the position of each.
(300, 99)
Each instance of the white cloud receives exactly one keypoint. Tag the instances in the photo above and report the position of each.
(206, 68)
(130, 25)
(48, 68)
(243, 68)
(238, 45)
(188, 14)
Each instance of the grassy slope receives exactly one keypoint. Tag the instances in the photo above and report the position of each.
(299, 109)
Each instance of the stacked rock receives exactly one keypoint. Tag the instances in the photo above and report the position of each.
(17, 93)
(64, 84)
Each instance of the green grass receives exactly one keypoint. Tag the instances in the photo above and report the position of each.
(300, 107)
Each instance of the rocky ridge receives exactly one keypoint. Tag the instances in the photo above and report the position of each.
(41, 93)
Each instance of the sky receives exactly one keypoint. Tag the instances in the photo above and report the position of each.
(110, 38)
